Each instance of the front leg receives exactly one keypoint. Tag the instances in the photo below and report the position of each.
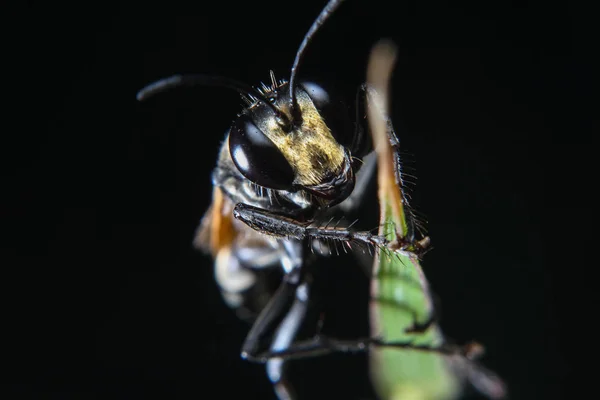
(285, 227)
(414, 225)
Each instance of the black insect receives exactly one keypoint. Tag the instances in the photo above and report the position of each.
(292, 159)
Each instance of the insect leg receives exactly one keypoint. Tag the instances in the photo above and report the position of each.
(362, 143)
(362, 147)
(414, 224)
(281, 319)
(364, 182)
(284, 337)
(322, 345)
(463, 358)
(281, 226)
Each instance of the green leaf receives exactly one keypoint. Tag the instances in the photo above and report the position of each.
(402, 300)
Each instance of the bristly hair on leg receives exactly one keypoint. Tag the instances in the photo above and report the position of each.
(336, 248)
(407, 182)
(384, 250)
(328, 222)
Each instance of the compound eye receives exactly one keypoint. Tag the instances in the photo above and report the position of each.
(257, 157)
(334, 112)
(317, 94)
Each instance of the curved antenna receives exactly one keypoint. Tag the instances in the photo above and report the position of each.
(323, 16)
(175, 81)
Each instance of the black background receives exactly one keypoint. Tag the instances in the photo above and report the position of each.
(104, 295)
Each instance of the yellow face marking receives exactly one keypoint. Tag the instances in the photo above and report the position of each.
(310, 149)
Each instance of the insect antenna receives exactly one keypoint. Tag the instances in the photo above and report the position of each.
(175, 81)
(323, 16)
